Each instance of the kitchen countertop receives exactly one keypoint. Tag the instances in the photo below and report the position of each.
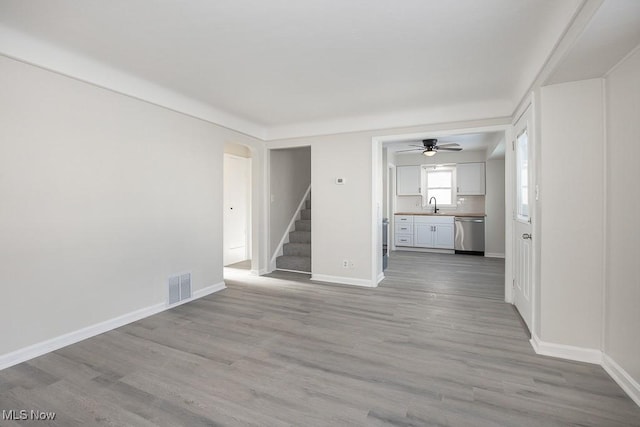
(465, 214)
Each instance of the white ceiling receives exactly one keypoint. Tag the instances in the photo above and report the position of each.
(278, 64)
(607, 39)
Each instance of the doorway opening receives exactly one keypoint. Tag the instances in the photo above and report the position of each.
(290, 210)
(237, 216)
(423, 245)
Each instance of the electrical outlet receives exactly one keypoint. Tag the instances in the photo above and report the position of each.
(345, 263)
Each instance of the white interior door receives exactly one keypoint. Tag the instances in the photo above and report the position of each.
(522, 218)
(236, 208)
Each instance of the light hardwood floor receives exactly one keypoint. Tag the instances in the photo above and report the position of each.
(433, 345)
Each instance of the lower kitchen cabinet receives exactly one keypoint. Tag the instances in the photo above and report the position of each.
(404, 240)
(424, 231)
(443, 236)
(424, 235)
(404, 230)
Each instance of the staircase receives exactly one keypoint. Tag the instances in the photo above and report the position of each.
(297, 253)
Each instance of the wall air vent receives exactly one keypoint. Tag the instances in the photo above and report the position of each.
(179, 288)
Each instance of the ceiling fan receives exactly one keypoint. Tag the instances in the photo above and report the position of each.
(430, 147)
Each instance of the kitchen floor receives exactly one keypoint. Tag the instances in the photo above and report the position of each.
(467, 275)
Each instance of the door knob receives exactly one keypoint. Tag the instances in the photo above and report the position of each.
(526, 236)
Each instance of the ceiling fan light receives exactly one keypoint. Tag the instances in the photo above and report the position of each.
(429, 153)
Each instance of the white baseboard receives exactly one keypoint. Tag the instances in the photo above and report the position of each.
(207, 291)
(493, 255)
(562, 351)
(424, 250)
(622, 377)
(380, 278)
(343, 280)
(260, 272)
(38, 349)
(293, 271)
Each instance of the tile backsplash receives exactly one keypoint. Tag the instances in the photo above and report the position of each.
(473, 204)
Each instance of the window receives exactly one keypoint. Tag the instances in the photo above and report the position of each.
(522, 175)
(439, 182)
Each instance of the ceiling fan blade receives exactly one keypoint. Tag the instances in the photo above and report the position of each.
(448, 149)
(449, 144)
(411, 149)
(412, 145)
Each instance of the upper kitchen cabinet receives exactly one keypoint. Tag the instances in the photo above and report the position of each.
(408, 180)
(470, 179)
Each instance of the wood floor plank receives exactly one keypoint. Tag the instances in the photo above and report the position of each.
(434, 345)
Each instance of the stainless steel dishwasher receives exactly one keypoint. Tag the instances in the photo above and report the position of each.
(469, 235)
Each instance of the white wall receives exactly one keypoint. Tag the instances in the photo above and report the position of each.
(341, 214)
(341, 225)
(290, 178)
(622, 303)
(495, 208)
(103, 197)
(571, 189)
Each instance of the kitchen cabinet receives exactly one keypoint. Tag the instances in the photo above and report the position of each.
(424, 235)
(424, 231)
(408, 180)
(470, 178)
(433, 232)
(403, 232)
(443, 236)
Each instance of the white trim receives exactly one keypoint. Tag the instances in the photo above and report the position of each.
(260, 272)
(377, 266)
(199, 293)
(581, 18)
(493, 255)
(22, 355)
(425, 250)
(343, 280)
(383, 123)
(380, 278)
(29, 50)
(605, 217)
(289, 229)
(622, 377)
(509, 188)
(622, 61)
(293, 271)
(562, 351)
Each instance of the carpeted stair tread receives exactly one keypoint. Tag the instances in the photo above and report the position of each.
(305, 214)
(296, 255)
(300, 237)
(303, 225)
(296, 263)
(297, 249)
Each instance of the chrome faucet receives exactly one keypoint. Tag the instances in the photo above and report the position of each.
(435, 205)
